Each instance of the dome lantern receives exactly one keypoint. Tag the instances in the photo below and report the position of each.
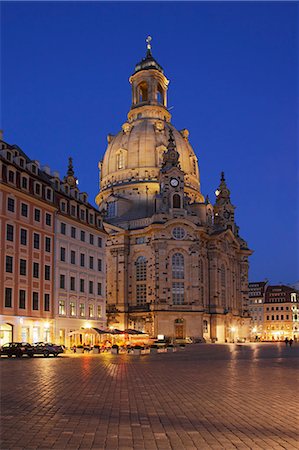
(149, 84)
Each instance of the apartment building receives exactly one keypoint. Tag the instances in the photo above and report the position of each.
(27, 221)
(52, 253)
(255, 307)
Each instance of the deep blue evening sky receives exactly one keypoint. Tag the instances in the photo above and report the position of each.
(233, 73)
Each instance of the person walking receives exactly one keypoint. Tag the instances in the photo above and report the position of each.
(286, 341)
(291, 342)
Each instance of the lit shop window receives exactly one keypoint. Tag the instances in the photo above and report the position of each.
(61, 308)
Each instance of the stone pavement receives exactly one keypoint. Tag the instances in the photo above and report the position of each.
(206, 397)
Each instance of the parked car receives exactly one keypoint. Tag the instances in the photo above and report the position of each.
(47, 349)
(17, 349)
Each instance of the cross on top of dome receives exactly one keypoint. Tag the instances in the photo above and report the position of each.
(149, 61)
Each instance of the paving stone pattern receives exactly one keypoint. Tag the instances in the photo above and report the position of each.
(205, 397)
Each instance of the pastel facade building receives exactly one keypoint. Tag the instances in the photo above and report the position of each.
(27, 221)
(47, 227)
(177, 264)
(255, 307)
(281, 313)
(80, 269)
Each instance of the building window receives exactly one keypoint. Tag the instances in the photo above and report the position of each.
(37, 188)
(82, 214)
(91, 239)
(73, 257)
(63, 206)
(205, 326)
(73, 232)
(140, 240)
(48, 194)
(178, 293)
(37, 215)
(91, 262)
(120, 160)
(73, 210)
(61, 308)
(140, 268)
(99, 242)
(81, 285)
(9, 232)
(9, 264)
(35, 301)
(99, 265)
(24, 210)
(23, 237)
(48, 244)
(83, 236)
(62, 254)
(282, 317)
(11, 204)
(63, 228)
(268, 317)
(11, 176)
(24, 183)
(141, 294)
(36, 240)
(178, 269)
(99, 310)
(48, 219)
(23, 267)
(72, 283)
(287, 317)
(72, 309)
(22, 299)
(223, 285)
(111, 209)
(91, 287)
(47, 302)
(91, 311)
(82, 310)
(62, 281)
(82, 260)
(99, 288)
(178, 233)
(47, 273)
(176, 201)
(36, 270)
(8, 298)
(91, 219)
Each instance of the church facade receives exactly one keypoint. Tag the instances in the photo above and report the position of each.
(176, 265)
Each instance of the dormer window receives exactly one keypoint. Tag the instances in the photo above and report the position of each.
(22, 162)
(8, 156)
(34, 169)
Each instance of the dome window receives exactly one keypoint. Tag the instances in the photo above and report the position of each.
(142, 92)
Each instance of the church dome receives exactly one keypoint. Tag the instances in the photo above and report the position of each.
(135, 154)
(133, 158)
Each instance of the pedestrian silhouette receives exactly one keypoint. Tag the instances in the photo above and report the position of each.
(286, 341)
(291, 342)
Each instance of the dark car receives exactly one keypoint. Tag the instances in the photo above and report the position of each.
(47, 349)
(17, 349)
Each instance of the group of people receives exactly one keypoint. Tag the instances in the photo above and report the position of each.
(288, 341)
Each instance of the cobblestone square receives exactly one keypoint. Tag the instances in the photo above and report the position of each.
(231, 396)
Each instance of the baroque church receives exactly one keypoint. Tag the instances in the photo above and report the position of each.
(176, 265)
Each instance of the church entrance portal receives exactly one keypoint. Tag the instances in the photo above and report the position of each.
(179, 329)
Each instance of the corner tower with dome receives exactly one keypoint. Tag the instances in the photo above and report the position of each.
(176, 265)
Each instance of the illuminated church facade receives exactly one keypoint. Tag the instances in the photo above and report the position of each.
(176, 265)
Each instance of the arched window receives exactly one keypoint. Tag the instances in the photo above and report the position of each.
(142, 92)
(140, 280)
(223, 276)
(205, 326)
(178, 266)
(120, 160)
(178, 273)
(160, 95)
(223, 285)
(176, 201)
(194, 166)
(141, 268)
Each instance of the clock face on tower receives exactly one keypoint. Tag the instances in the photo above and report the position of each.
(174, 182)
